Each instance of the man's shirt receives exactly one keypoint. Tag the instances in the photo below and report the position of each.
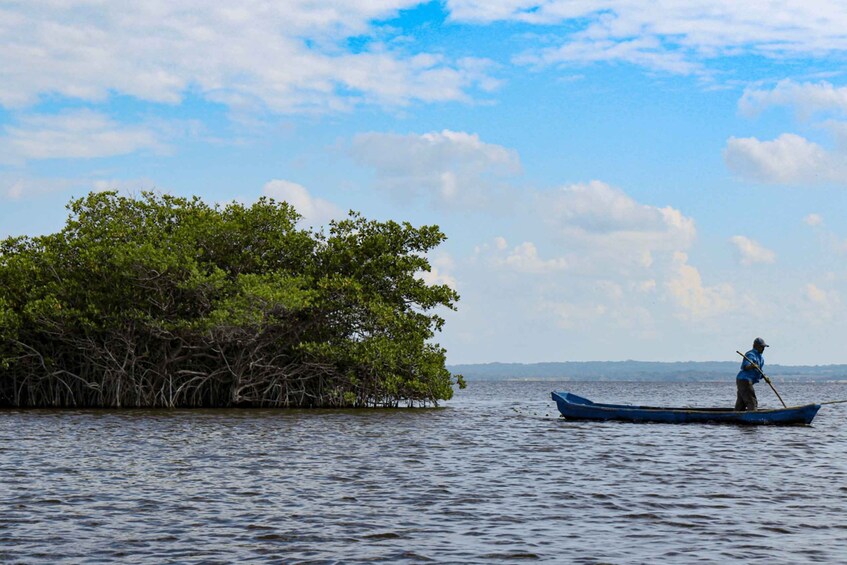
(748, 372)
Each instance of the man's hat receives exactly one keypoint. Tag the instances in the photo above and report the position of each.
(760, 341)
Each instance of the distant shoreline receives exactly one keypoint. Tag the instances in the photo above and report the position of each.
(640, 371)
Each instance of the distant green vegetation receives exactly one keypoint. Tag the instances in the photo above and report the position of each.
(645, 371)
(160, 301)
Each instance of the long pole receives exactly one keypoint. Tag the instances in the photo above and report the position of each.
(764, 376)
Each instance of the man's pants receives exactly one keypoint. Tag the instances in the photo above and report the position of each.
(746, 399)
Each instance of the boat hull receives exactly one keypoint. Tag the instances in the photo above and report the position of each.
(574, 407)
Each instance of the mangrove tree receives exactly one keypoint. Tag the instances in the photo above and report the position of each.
(163, 301)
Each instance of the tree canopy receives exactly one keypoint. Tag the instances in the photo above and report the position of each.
(163, 301)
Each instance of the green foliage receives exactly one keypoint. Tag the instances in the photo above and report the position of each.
(167, 301)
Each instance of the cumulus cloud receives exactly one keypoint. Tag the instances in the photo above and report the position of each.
(751, 252)
(694, 300)
(613, 226)
(441, 269)
(315, 211)
(608, 261)
(792, 159)
(524, 258)
(806, 97)
(448, 167)
(647, 286)
(789, 159)
(282, 56)
(668, 35)
(81, 134)
(598, 208)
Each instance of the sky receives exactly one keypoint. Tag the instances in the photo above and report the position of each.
(617, 179)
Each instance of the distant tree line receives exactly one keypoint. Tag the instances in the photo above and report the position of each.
(162, 301)
(678, 371)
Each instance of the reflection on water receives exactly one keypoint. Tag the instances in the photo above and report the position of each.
(494, 475)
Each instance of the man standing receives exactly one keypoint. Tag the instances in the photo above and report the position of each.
(748, 376)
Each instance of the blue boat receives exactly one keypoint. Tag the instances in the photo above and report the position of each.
(575, 407)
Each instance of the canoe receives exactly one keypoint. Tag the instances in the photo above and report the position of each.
(575, 407)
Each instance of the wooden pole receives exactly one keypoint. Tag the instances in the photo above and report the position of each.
(764, 376)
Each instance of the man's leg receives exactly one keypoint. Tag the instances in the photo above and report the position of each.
(739, 397)
(752, 401)
(746, 398)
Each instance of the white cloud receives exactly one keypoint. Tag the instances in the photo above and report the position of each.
(441, 267)
(125, 186)
(598, 208)
(646, 286)
(437, 276)
(645, 52)
(616, 264)
(611, 228)
(667, 34)
(806, 97)
(80, 134)
(449, 167)
(294, 56)
(695, 300)
(824, 305)
(283, 56)
(751, 252)
(815, 294)
(813, 220)
(524, 258)
(315, 211)
(789, 159)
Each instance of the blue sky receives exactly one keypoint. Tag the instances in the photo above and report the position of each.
(617, 179)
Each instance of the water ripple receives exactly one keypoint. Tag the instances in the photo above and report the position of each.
(485, 479)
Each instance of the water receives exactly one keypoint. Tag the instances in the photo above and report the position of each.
(494, 476)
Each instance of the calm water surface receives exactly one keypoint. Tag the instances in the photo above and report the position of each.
(493, 476)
